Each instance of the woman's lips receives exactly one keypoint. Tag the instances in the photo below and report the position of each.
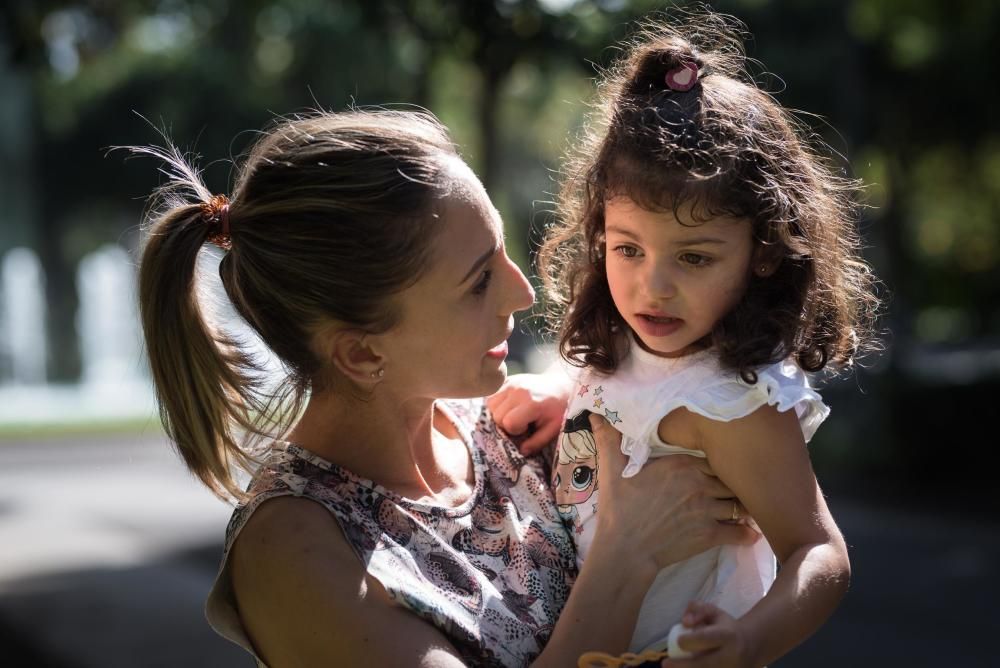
(657, 325)
(499, 352)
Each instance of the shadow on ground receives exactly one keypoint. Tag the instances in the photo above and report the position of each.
(923, 594)
(143, 617)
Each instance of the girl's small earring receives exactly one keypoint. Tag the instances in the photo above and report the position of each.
(378, 374)
(762, 270)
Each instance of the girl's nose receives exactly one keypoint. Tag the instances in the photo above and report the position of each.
(660, 281)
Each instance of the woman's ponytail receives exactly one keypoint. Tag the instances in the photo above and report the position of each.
(203, 381)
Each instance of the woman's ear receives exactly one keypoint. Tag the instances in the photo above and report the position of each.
(354, 354)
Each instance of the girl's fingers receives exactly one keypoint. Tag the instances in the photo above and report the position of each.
(705, 639)
(699, 613)
(540, 439)
(496, 404)
(519, 419)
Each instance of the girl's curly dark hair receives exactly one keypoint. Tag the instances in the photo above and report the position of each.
(725, 147)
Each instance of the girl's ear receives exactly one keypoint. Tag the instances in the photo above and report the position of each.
(766, 260)
(353, 353)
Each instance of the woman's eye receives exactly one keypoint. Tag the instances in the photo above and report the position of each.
(695, 259)
(626, 251)
(484, 282)
(582, 476)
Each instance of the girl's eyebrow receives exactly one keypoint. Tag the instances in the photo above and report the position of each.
(622, 231)
(694, 241)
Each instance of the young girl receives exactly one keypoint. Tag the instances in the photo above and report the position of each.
(704, 261)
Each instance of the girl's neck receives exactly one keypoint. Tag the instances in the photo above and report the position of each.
(696, 347)
(408, 447)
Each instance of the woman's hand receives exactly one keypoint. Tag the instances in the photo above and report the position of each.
(716, 639)
(672, 509)
(531, 406)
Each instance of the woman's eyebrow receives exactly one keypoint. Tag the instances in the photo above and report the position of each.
(483, 259)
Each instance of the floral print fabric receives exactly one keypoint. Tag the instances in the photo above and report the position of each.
(492, 574)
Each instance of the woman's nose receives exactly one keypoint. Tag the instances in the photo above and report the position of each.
(522, 295)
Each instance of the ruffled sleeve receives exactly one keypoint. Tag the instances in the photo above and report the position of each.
(783, 385)
(724, 396)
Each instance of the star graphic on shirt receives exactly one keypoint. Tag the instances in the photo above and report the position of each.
(579, 528)
(598, 403)
(597, 392)
(612, 416)
(594, 507)
(583, 390)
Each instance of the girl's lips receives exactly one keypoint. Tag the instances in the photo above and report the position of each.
(657, 325)
(499, 352)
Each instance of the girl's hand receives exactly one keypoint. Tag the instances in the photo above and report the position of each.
(672, 509)
(716, 639)
(531, 406)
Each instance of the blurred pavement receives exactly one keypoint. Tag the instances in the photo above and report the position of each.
(108, 548)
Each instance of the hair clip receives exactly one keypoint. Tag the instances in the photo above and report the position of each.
(683, 77)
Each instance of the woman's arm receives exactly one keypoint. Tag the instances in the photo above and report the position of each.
(305, 599)
(763, 459)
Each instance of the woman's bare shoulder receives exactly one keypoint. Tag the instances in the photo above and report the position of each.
(305, 598)
(284, 535)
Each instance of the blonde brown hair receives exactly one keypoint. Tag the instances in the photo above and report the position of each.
(725, 147)
(330, 217)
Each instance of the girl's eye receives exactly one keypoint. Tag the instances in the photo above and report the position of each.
(695, 260)
(582, 477)
(627, 251)
(484, 282)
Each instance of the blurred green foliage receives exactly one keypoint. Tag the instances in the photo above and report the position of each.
(902, 89)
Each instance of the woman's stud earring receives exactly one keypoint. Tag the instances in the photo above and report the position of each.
(762, 269)
(378, 374)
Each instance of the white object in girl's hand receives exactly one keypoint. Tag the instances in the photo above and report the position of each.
(673, 649)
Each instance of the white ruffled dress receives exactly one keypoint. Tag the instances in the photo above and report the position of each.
(644, 389)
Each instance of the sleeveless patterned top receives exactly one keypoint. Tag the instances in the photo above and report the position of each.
(492, 575)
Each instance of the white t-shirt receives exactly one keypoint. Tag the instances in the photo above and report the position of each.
(643, 389)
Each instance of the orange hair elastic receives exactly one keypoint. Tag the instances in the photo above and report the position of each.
(215, 213)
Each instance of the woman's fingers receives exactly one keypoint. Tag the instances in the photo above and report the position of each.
(728, 510)
(733, 534)
(611, 460)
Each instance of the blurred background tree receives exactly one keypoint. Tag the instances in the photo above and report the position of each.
(903, 91)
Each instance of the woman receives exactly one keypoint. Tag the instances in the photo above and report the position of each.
(387, 525)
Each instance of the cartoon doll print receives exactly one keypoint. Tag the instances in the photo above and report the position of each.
(575, 477)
